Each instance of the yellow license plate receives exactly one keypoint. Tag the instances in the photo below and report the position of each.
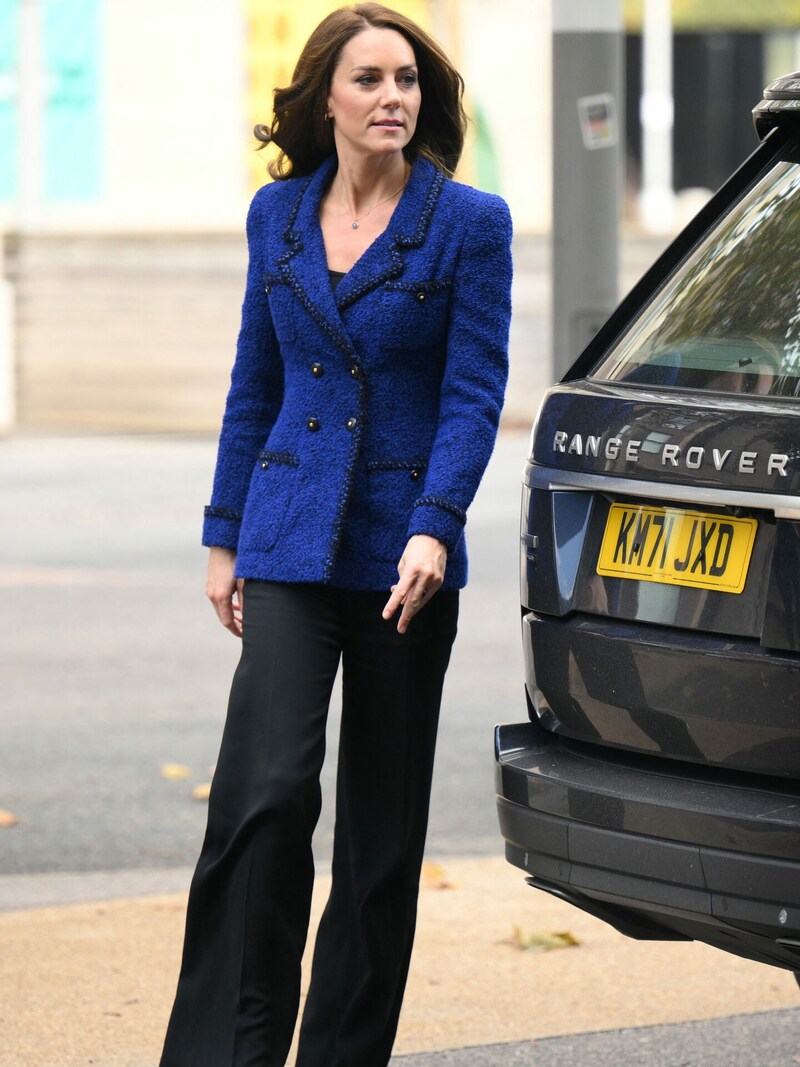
(677, 547)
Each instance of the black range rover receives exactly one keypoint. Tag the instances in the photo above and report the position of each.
(656, 783)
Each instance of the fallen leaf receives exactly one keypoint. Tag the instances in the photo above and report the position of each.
(433, 877)
(541, 940)
(174, 772)
(7, 819)
(201, 792)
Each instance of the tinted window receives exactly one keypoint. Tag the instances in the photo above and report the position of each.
(729, 318)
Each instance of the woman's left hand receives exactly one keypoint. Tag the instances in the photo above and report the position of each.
(421, 569)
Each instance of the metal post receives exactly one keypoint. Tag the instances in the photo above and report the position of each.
(657, 111)
(29, 199)
(31, 106)
(587, 171)
(8, 378)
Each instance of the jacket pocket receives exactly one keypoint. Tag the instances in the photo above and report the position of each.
(414, 314)
(394, 485)
(271, 492)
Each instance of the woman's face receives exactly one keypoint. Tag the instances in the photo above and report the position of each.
(374, 98)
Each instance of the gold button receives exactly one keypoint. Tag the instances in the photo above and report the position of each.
(351, 423)
(420, 297)
(312, 424)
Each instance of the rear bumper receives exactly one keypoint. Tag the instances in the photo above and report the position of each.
(654, 852)
(690, 696)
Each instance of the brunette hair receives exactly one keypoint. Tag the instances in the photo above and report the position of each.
(300, 128)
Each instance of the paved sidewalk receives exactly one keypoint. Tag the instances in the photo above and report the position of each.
(91, 983)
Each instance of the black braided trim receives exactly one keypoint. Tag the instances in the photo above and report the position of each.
(285, 459)
(427, 211)
(397, 465)
(288, 233)
(435, 286)
(340, 339)
(222, 513)
(445, 505)
(347, 490)
(397, 266)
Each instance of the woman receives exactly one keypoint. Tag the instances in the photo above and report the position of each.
(363, 408)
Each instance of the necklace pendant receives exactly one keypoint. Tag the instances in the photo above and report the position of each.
(354, 224)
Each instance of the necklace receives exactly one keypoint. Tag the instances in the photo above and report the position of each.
(358, 218)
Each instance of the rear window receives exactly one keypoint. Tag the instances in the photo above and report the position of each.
(729, 319)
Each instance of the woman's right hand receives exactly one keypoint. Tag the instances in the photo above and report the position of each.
(224, 590)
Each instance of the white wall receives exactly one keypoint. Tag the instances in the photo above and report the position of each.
(175, 123)
(173, 131)
(506, 59)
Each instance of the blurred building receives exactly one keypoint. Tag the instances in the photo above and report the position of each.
(723, 53)
(127, 162)
(139, 116)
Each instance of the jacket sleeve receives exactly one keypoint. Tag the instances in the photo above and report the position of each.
(254, 398)
(475, 374)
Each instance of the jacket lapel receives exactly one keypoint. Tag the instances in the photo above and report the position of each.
(384, 259)
(304, 265)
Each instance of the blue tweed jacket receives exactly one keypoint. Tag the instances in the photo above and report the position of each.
(359, 417)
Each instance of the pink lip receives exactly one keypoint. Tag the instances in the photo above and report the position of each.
(393, 123)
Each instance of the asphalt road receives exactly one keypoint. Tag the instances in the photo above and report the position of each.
(114, 665)
(768, 1039)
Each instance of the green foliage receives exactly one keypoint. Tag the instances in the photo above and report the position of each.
(690, 15)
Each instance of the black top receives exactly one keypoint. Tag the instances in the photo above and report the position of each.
(336, 276)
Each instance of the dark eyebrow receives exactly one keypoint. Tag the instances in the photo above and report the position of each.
(372, 70)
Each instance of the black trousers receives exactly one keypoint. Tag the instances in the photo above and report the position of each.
(239, 987)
